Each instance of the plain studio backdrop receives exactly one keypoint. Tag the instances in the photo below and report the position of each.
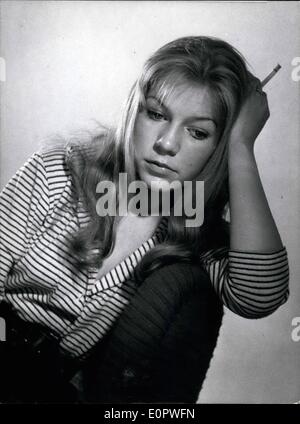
(69, 64)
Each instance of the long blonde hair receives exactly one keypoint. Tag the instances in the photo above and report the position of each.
(200, 60)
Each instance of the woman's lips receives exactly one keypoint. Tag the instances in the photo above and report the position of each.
(159, 168)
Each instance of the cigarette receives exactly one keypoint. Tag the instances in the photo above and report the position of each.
(271, 75)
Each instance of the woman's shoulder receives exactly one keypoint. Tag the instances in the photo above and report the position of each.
(42, 165)
(55, 158)
(52, 167)
(49, 166)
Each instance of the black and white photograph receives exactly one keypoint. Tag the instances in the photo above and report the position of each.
(149, 204)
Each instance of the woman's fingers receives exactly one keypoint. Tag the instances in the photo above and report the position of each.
(253, 114)
(255, 84)
(255, 88)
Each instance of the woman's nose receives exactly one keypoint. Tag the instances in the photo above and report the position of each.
(167, 143)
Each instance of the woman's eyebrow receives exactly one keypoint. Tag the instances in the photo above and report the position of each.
(191, 118)
(202, 118)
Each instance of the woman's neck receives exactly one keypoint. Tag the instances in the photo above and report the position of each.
(132, 231)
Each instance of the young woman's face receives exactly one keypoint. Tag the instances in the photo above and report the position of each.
(173, 140)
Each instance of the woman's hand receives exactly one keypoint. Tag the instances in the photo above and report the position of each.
(252, 117)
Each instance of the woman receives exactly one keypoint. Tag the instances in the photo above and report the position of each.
(193, 115)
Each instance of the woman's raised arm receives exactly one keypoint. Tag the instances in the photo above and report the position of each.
(252, 225)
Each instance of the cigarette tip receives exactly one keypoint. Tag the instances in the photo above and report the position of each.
(276, 69)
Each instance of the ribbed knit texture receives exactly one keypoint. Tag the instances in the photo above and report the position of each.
(159, 351)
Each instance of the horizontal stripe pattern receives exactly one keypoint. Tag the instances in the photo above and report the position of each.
(40, 278)
(250, 284)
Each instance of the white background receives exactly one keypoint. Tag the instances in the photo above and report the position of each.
(70, 63)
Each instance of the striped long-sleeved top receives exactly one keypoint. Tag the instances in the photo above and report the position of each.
(39, 277)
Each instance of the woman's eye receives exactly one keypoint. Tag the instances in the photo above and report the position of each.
(198, 134)
(156, 116)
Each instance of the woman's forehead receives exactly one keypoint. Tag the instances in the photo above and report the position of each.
(191, 95)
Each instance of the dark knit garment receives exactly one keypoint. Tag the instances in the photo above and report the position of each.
(161, 347)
